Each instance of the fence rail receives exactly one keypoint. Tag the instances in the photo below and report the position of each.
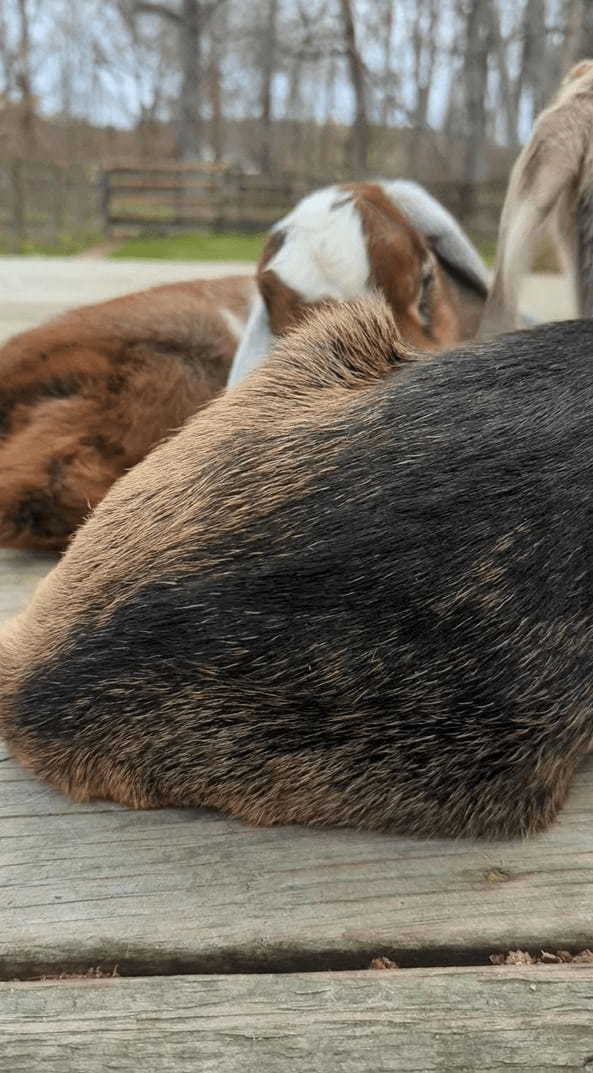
(168, 198)
(46, 202)
(49, 202)
(185, 198)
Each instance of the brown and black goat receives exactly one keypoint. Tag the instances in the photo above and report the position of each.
(355, 590)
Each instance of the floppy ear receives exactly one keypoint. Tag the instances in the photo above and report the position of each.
(446, 238)
(255, 345)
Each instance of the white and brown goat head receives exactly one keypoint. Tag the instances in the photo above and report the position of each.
(350, 240)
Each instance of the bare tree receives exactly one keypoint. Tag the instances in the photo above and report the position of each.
(475, 70)
(386, 25)
(268, 70)
(507, 89)
(532, 77)
(424, 51)
(266, 83)
(218, 30)
(7, 58)
(190, 20)
(581, 28)
(359, 137)
(23, 76)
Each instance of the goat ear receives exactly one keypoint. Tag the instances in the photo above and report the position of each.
(255, 345)
(446, 238)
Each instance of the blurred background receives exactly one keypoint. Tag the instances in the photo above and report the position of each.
(183, 128)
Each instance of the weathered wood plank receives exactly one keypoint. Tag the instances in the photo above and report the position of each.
(194, 890)
(418, 1021)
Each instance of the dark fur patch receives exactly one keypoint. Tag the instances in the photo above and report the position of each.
(103, 446)
(340, 202)
(115, 383)
(40, 515)
(5, 412)
(55, 471)
(274, 243)
(457, 274)
(54, 388)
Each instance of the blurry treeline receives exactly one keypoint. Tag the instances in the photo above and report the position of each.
(442, 89)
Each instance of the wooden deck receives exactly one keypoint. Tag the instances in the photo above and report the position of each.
(235, 948)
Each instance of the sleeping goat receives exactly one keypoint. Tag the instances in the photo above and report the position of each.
(356, 590)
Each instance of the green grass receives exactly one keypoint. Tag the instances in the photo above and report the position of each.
(486, 247)
(194, 246)
(545, 259)
(61, 246)
(227, 246)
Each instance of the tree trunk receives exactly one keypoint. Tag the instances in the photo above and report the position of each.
(294, 113)
(387, 32)
(215, 89)
(477, 40)
(23, 79)
(268, 71)
(359, 137)
(189, 133)
(425, 49)
(583, 44)
(509, 93)
(328, 129)
(534, 72)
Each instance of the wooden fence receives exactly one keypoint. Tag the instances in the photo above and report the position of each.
(42, 202)
(184, 198)
(55, 203)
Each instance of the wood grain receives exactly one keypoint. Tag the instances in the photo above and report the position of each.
(418, 1021)
(185, 890)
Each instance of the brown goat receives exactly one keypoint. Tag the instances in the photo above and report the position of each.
(355, 590)
(551, 187)
(86, 396)
(355, 239)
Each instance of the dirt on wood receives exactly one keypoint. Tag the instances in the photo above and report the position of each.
(545, 957)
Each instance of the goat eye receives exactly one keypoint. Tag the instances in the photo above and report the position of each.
(427, 274)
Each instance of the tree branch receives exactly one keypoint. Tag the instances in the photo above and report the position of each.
(151, 7)
(208, 10)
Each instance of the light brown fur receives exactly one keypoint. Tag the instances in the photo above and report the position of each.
(548, 179)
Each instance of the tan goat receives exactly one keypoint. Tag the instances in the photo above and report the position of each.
(550, 189)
